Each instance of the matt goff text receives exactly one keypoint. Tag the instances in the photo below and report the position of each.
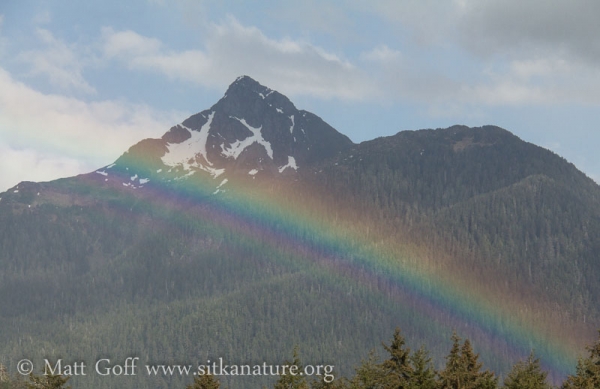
(131, 367)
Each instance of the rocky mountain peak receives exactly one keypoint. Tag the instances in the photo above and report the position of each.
(252, 130)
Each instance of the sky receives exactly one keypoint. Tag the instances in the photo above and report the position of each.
(82, 81)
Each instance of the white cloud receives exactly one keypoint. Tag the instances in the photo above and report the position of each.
(383, 54)
(19, 165)
(57, 61)
(543, 81)
(231, 49)
(505, 92)
(59, 136)
(128, 43)
(540, 67)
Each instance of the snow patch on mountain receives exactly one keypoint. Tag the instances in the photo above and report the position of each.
(236, 148)
(222, 183)
(292, 126)
(185, 153)
(291, 164)
(185, 176)
(212, 171)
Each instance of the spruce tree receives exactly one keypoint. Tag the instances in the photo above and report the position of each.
(452, 376)
(474, 378)
(292, 381)
(205, 381)
(587, 375)
(397, 370)
(527, 375)
(423, 372)
(463, 369)
(340, 383)
(3, 374)
(49, 381)
(368, 374)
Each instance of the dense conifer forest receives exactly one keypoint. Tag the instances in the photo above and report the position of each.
(400, 368)
(462, 228)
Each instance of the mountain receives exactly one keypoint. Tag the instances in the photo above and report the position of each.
(252, 130)
(253, 226)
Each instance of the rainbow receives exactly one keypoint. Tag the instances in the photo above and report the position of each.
(329, 237)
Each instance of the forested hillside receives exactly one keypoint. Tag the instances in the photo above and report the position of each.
(249, 243)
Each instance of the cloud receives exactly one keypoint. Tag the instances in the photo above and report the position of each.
(532, 28)
(128, 43)
(19, 165)
(57, 61)
(382, 54)
(231, 49)
(44, 136)
(316, 17)
(497, 27)
(539, 52)
(428, 22)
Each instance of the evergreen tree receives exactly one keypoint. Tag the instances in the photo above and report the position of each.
(587, 375)
(3, 374)
(463, 369)
(368, 374)
(49, 381)
(474, 378)
(452, 376)
(527, 375)
(397, 370)
(292, 381)
(8, 382)
(401, 370)
(423, 373)
(340, 383)
(205, 381)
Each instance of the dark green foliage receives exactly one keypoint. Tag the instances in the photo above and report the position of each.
(501, 205)
(338, 383)
(401, 370)
(88, 272)
(174, 286)
(452, 375)
(424, 375)
(587, 375)
(294, 378)
(8, 382)
(397, 369)
(49, 381)
(463, 370)
(205, 381)
(368, 374)
(527, 375)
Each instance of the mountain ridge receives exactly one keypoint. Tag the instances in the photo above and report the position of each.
(178, 243)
